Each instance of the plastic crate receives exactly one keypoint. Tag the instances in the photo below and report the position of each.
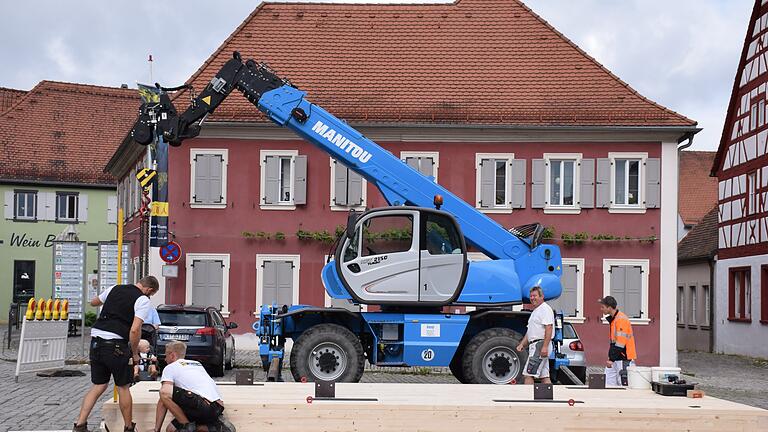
(670, 389)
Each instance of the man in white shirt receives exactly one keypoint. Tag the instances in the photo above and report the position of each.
(114, 342)
(538, 339)
(190, 394)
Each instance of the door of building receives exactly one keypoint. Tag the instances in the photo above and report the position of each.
(23, 281)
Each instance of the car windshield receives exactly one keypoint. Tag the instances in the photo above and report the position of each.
(569, 332)
(182, 318)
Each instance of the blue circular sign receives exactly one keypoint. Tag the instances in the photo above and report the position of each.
(171, 252)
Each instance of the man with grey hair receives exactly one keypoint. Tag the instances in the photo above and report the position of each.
(190, 394)
(538, 338)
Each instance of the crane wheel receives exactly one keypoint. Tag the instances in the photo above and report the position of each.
(327, 352)
(491, 357)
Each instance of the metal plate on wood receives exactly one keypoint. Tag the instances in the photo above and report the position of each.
(244, 377)
(543, 391)
(596, 381)
(325, 389)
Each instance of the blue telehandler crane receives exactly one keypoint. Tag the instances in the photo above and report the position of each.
(409, 259)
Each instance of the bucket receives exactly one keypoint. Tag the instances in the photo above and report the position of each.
(639, 377)
(660, 374)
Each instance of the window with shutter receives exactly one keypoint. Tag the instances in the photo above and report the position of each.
(209, 281)
(283, 179)
(66, 206)
(631, 174)
(572, 296)
(25, 205)
(494, 182)
(562, 182)
(627, 281)
(277, 279)
(208, 187)
(426, 163)
(347, 188)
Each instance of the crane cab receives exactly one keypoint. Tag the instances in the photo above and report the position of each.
(400, 255)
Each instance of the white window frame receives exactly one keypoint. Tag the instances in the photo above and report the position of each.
(707, 304)
(77, 205)
(628, 208)
(290, 205)
(645, 266)
(260, 258)
(550, 208)
(753, 114)
(579, 263)
(680, 294)
(191, 258)
(693, 289)
(423, 154)
(25, 192)
(506, 208)
(193, 153)
(335, 207)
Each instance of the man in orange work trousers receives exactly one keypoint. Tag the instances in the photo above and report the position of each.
(621, 353)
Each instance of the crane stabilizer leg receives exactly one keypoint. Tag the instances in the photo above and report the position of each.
(574, 379)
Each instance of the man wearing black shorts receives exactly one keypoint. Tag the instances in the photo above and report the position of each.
(190, 394)
(114, 344)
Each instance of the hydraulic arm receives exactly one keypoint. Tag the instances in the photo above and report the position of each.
(520, 249)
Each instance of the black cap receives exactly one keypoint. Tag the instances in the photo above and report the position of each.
(608, 301)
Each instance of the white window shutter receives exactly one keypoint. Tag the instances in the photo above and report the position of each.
(50, 205)
(587, 186)
(538, 177)
(339, 183)
(271, 180)
(603, 183)
(487, 192)
(518, 183)
(8, 205)
(82, 208)
(300, 181)
(112, 209)
(652, 183)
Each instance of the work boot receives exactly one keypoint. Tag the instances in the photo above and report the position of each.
(132, 428)
(189, 427)
(80, 428)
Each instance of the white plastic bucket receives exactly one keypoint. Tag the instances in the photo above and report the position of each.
(639, 377)
(660, 374)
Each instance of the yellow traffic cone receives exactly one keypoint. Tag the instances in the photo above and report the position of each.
(56, 306)
(48, 307)
(30, 315)
(40, 306)
(65, 310)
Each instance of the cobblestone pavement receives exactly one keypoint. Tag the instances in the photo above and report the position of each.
(735, 378)
(38, 403)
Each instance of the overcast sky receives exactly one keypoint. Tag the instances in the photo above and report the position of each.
(680, 53)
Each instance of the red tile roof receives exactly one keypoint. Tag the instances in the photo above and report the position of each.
(9, 96)
(701, 242)
(65, 132)
(469, 62)
(697, 190)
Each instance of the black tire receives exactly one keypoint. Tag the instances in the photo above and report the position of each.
(499, 346)
(265, 363)
(456, 367)
(336, 352)
(217, 369)
(229, 364)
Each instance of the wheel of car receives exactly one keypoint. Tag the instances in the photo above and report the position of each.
(455, 366)
(217, 369)
(231, 358)
(327, 352)
(491, 357)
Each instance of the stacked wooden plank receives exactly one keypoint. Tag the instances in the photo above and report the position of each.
(283, 407)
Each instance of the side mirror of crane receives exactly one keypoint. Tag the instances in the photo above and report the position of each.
(351, 222)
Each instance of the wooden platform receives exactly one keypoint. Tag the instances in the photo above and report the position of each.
(283, 407)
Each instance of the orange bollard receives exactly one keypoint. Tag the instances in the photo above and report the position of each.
(40, 307)
(30, 315)
(48, 307)
(65, 310)
(56, 306)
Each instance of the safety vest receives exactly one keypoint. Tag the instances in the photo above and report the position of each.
(621, 335)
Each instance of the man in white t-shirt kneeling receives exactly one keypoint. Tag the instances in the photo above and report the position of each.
(190, 394)
(538, 338)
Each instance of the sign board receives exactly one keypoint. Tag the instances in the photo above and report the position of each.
(170, 271)
(108, 265)
(69, 275)
(171, 252)
(42, 346)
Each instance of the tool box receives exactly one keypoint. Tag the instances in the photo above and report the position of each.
(672, 388)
